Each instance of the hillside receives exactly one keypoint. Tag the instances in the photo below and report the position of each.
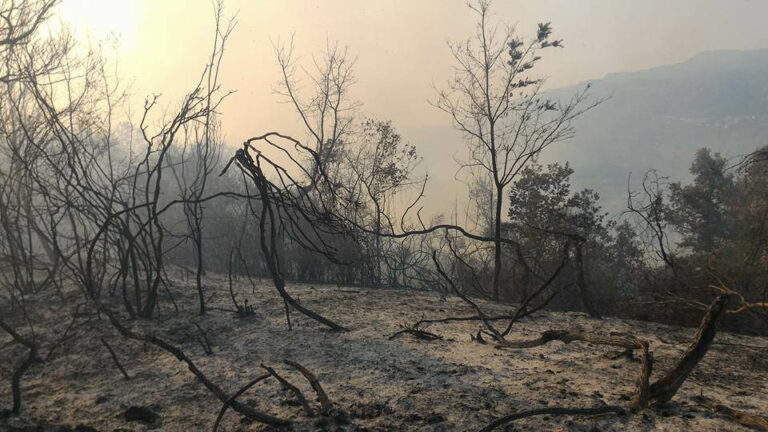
(658, 118)
(377, 384)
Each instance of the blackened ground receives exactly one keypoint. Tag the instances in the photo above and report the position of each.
(377, 384)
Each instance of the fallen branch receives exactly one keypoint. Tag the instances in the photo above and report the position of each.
(325, 403)
(115, 359)
(419, 334)
(461, 319)
(743, 418)
(479, 338)
(232, 398)
(514, 316)
(568, 336)
(641, 397)
(628, 353)
(665, 388)
(465, 298)
(210, 385)
(295, 390)
(553, 411)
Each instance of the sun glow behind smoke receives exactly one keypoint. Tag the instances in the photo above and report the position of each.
(98, 20)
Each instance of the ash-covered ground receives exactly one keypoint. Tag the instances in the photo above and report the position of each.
(375, 384)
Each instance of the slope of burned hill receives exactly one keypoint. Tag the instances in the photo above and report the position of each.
(375, 384)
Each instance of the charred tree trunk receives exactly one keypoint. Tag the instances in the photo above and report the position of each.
(269, 236)
(497, 244)
(665, 388)
(581, 282)
(23, 366)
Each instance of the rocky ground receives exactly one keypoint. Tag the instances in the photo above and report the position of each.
(376, 384)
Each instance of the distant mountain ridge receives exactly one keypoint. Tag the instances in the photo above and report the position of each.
(657, 118)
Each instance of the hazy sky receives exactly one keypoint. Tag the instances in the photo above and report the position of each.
(400, 46)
